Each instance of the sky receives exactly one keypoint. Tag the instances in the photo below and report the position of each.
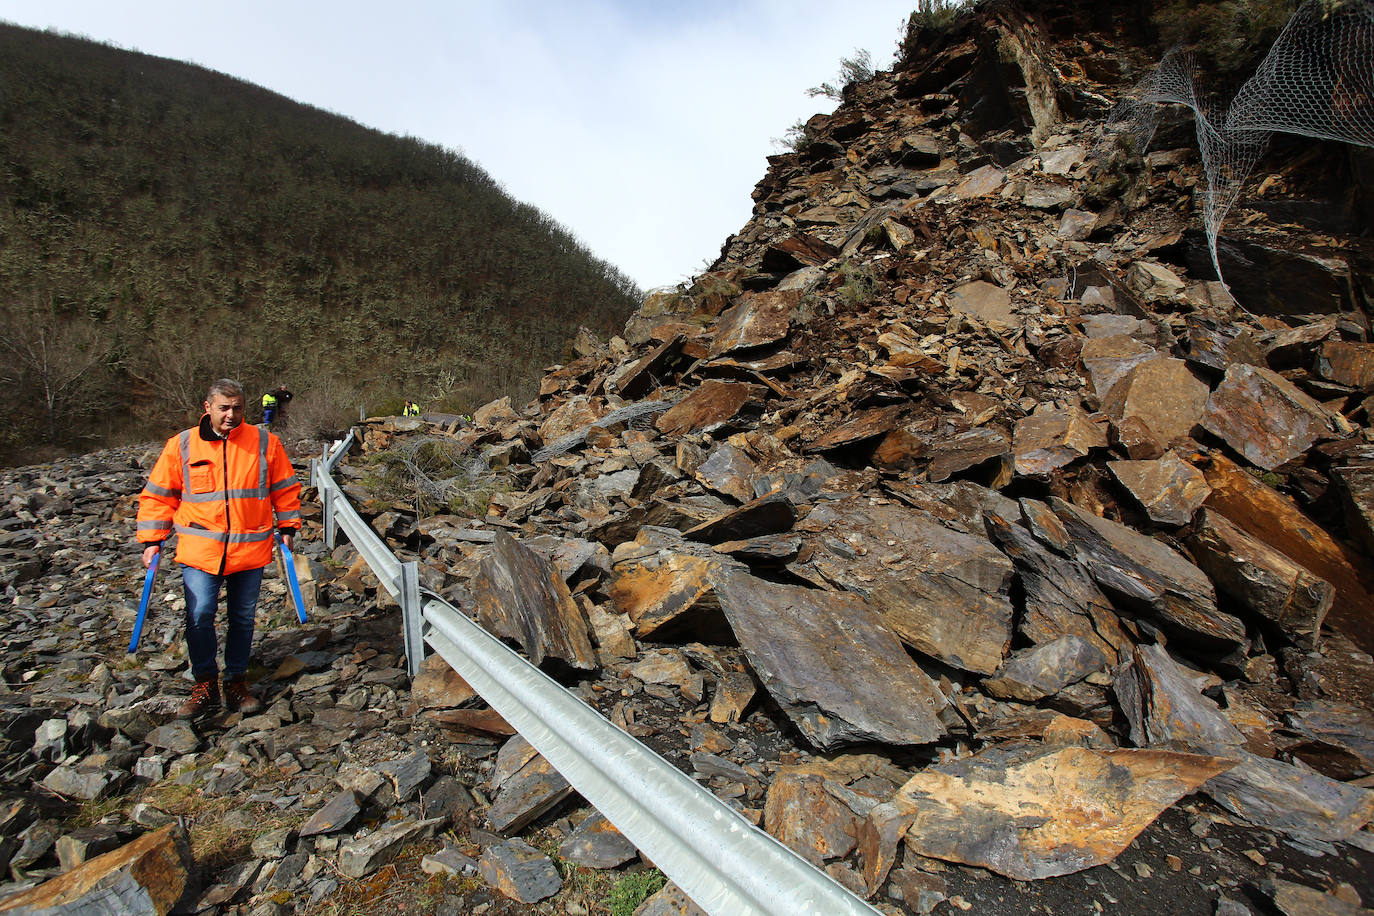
(641, 126)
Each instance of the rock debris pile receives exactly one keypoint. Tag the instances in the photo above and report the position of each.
(946, 527)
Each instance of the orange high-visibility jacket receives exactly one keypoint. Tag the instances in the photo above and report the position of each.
(219, 496)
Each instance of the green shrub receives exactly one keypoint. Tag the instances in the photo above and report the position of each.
(1229, 36)
(633, 889)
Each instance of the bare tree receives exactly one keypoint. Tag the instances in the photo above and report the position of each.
(56, 363)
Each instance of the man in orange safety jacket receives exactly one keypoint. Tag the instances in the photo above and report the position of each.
(223, 486)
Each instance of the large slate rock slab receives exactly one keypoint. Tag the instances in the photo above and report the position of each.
(1061, 598)
(1028, 811)
(1264, 417)
(521, 596)
(146, 876)
(1276, 520)
(755, 320)
(1261, 579)
(1166, 709)
(713, 403)
(831, 663)
(942, 591)
(1150, 576)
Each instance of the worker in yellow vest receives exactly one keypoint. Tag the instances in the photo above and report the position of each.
(274, 404)
(411, 409)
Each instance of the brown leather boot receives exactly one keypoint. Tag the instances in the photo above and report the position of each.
(238, 699)
(204, 696)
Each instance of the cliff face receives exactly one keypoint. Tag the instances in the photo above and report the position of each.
(951, 526)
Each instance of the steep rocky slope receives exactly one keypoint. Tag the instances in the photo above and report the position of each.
(949, 526)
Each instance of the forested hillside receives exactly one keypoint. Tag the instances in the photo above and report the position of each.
(161, 224)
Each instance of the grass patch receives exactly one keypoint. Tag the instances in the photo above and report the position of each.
(632, 889)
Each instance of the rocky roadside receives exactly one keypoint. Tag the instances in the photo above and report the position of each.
(947, 527)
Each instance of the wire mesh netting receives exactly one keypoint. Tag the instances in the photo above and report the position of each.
(438, 469)
(1316, 81)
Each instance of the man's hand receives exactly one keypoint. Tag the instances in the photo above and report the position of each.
(289, 540)
(148, 553)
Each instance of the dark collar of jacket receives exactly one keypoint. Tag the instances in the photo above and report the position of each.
(209, 435)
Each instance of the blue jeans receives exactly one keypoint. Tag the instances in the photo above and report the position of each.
(241, 603)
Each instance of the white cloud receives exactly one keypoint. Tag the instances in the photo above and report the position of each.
(642, 126)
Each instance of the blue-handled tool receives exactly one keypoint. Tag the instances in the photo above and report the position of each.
(290, 563)
(143, 602)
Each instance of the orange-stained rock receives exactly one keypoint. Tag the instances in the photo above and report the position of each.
(152, 869)
(1276, 520)
(655, 591)
(755, 320)
(712, 403)
(1028, 811)
(802, 813)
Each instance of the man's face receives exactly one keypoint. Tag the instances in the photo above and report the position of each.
(226, 412)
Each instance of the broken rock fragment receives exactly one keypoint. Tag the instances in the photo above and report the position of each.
(942, 591)
(1264, 417)
(1050, 439)
(521, 596)
(832, 665)
(1261, 579)
(1029, 811)
(1039, 671)
(1149, 576)
(1169, 489)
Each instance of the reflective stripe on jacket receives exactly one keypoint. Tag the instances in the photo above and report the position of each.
(220, 496)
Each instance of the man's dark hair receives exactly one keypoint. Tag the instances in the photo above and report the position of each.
(227, 387)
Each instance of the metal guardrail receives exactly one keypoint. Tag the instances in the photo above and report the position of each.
(725, 864)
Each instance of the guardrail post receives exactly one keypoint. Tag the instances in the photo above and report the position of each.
(330, 526)
(411, 619)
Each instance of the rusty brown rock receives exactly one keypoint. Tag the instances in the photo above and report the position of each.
(524, 795)
(944, 592)
(797, 250)
(770, 514)
(754, 320)
(1132, 436)
(713, 403)
(831, 664)
(438, 686)
(521, 596)
(1169, 489)
(1356, 485)
(989, 303)
(1108, 360)
(1030, 811)
(1150, 577)
(969, 449)
(156, 867)
(1346, 363)
(1264, 417)
(807, 817)
(734, 692)
(656, 591)
(1164, 394)
(1052, 438)
(1276, 520)
(864, 425)
(651, 371)
(1261, 579)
